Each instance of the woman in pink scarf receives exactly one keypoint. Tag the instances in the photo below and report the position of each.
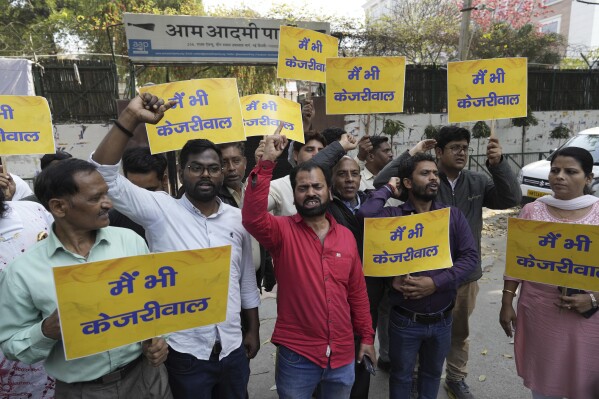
(556, 340)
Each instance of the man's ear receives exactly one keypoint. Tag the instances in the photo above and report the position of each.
(294, 155)
(164, 182)
(407, 183)
(58, 207)
(438, 152)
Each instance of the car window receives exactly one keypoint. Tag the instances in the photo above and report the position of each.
(589, 142)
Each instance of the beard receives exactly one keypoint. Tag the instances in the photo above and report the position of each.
(319, 210)
(194, 192)
(420, 193)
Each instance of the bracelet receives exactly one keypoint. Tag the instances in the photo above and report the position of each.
(593, 300)
(122, 128)
(511, 292)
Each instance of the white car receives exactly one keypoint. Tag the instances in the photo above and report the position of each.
(533, 177)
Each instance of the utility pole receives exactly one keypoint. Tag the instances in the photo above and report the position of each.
(465, 30)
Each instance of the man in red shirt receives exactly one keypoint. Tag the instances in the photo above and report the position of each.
(322, 296)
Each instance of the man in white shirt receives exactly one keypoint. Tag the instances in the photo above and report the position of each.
(213, 358)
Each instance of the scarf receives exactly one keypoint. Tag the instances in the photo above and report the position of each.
(569, 205)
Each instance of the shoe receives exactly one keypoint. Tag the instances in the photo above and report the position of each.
(458, 389)
(383, 365)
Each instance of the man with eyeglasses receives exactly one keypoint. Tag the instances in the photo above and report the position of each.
(470, 191)
(214, 359)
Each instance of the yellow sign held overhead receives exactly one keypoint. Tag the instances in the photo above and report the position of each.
(407, 244)
(204, 109)
(365, 85)
(25, 126)
(303, 54)
(487, 89)
(262, 113)
(131, 299)
(561, 254)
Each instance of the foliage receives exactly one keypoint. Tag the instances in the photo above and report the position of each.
(514, 13)
(481, 130)
(560, 132)
(431, 132)
(425, 31)
(392, 128)
(592, 60)
(504, 41)
(529, 120)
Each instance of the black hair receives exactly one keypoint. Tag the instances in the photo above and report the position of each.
(141, 160)
(582, 156)
(406, 170)
(47, 159)
(297, 146)
(57, 180)
(307, 167)
(332, 134)
(452, 133)
(197, 146)
(240, 145)
(377, 141)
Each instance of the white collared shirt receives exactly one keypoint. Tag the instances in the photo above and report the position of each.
(175, 225)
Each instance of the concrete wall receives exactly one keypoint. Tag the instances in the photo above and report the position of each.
(537, 137)
(81, 139)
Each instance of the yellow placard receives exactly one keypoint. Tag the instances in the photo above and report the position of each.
(487, 89)
(205, 109)
(303, 54)
(25, 126)
(365, 85)
(262, 113)
(561, 254)
(104, 305)
(407, 244)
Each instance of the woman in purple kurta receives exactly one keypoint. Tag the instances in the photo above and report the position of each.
(556, 340)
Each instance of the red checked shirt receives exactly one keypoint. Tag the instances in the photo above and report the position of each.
(322, 296)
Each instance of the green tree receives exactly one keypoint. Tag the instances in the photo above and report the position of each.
(480, 130)
(501, 40)
(424, 31)
(524, 122)
(392, 128)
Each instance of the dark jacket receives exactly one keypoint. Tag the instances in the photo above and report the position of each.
(473, 191)
(462, 247)
(345, 217)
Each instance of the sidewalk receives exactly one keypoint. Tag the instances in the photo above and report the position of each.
(492, 367)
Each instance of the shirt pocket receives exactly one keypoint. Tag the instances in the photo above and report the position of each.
(341, 267)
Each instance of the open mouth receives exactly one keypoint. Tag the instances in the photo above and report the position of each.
(311, 203)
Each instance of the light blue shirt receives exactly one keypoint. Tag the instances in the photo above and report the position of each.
(176, 225)
(27, 297)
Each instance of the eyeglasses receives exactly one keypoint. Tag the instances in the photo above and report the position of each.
(456, 149)
(198, 170)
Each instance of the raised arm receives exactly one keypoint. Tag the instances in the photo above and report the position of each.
(333, 152)
(255, 217)
(375, 204)
(144, 108)
(390, 170)
(503, 191)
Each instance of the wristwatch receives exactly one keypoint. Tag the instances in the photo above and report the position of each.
(593, 300)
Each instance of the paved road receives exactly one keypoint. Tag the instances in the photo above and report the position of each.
(496, 368)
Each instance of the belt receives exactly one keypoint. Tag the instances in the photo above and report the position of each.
(117, 374)
(424, 318)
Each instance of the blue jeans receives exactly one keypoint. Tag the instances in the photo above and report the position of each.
(192, 378)
(298, 377)
(407, 339)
